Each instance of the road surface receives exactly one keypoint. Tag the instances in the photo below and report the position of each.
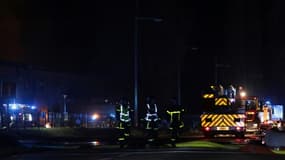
(222, 148)
(146, 154)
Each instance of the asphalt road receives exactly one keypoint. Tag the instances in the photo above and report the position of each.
(143, 154)
(47, 149)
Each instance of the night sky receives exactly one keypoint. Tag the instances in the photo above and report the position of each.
(243, 38)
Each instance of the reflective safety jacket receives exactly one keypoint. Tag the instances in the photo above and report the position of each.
(124, 113)
(175, 115)
(151, 114)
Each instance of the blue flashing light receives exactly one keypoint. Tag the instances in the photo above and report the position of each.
(33, 107)
(94, 117)
(112, 115)
(267, 102)
(14, 106)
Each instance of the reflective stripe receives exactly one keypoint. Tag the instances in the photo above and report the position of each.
(125, 117)
(151, 139)
(148, 115)
(221, 102)
(148, 106)
(171, 115)
(121, 126)
(155, 107)
(151, 116)
(208, 96)
(182, 125)
(121, 139)
(147, 125)
(222, 120)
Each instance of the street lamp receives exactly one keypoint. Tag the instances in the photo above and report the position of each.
(64, 103)
(136, 58)
(65, 115)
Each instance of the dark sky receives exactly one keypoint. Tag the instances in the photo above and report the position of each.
(96, 38)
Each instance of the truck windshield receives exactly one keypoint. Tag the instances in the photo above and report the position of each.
(251, 105)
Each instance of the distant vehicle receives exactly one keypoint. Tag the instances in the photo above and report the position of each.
(271, 116)
(224, 112)
(228, 111)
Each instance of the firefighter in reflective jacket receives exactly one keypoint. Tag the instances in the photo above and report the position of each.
(151, 119)
(174, 112)
(123, 111)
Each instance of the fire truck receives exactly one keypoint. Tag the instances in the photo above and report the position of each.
(252, 108)
(270, 116)
(226, 112)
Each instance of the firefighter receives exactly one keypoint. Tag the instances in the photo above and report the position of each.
(174, 112)
(232, 91)
(123, 111)
(151, 119)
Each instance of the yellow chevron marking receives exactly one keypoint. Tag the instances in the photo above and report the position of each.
(223, 124)
(221, 120)
(231, 117)
(203, 121)
(203, 117)
(228, 122)
(221, 101)
(210, 116)
(217, 101)
(214, 116)
(218, 118)
(218, 122)
(208, 124)
(235, 116)
(206, 96)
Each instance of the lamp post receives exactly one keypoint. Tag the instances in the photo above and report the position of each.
(65, 115)
(136, 57)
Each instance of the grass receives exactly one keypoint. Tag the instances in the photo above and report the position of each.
(205, 144)
(282, 152)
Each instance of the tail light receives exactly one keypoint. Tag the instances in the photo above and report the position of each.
(207, 129)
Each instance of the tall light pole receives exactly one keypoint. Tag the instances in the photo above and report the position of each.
(136, 69)
(65, 115)
(64, 103)
(179, 74)
(136, 57)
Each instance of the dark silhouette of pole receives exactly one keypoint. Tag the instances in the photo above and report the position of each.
(136, 65)
(136, 56)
